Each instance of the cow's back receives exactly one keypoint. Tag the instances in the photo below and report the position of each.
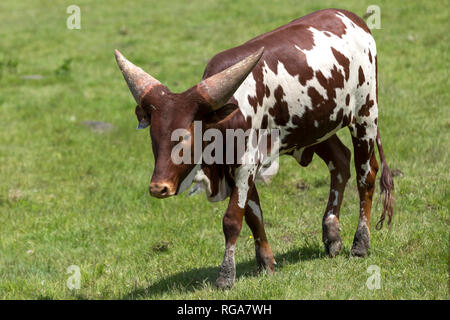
(276, 40)
(315, 75)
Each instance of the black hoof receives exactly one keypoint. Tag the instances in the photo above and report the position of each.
(361, 242)
(333, 248)
(224, 283)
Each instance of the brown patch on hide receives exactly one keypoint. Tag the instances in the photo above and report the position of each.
(361, 77)
(343, 61)
(280, 111)
(364, 111)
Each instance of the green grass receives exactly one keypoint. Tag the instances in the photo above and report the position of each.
(71, 196)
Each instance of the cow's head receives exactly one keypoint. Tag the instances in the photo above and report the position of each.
(165, 112)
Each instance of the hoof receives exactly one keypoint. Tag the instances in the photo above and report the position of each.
(359, 252)
(227, 274)
(361, 242)
(268, 269)
(265, 262)
(224, 283)
(330, 236)
(333, 248)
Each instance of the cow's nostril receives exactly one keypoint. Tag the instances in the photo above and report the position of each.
(164, 191)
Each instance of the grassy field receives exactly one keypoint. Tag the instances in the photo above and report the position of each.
(70, 195)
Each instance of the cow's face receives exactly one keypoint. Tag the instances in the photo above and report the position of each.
(165, 112)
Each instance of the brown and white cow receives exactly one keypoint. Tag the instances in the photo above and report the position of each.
(308, 79)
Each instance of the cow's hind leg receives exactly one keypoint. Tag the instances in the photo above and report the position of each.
(366, 167)
(254, 219)
(337, 157)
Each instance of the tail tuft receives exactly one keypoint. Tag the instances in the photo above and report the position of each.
(386, 189)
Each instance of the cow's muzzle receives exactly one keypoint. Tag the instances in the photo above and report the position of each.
(161, 189)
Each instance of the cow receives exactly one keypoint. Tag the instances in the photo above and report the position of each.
(307, 79)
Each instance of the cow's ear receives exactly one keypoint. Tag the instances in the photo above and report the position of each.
(142, 117)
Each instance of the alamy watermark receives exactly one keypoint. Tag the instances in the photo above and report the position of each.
(374, 281)
(74, 20)
(74, 281)
(373, 15)
(233, 146)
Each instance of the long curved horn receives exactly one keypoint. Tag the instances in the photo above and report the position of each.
(220, 87)
(137, 79)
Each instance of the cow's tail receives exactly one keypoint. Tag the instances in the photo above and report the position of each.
(386, 188)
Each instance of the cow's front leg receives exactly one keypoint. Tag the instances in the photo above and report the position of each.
(232, 224)
(254, 219)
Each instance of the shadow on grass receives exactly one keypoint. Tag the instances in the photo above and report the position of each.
(189, 281)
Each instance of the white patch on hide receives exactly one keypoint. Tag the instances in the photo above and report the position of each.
(256, 209)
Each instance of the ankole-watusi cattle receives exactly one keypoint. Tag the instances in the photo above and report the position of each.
(307, 79)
